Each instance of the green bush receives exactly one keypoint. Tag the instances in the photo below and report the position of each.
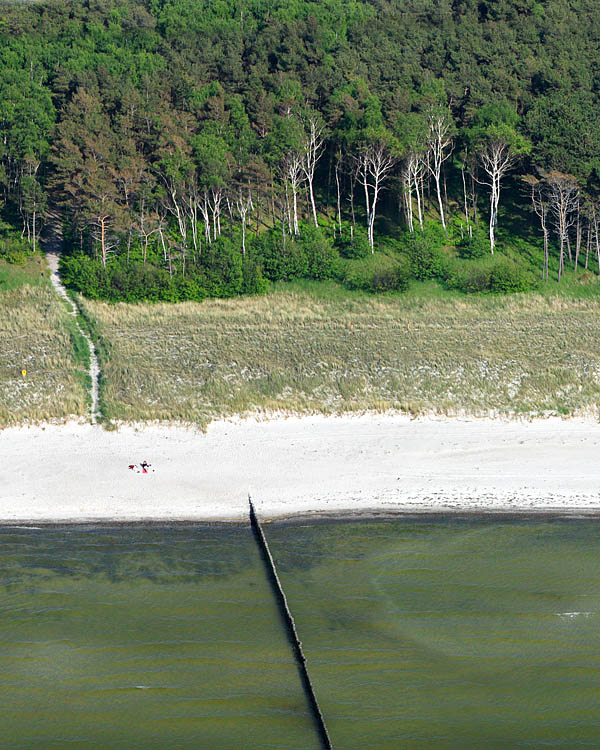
(318, 251)
(219, 272)
(475, 245)
(310, 255)
(434, 233)
(221, 268)
(84, 275)
(376, 273)
(184, 288)
(352, 243)
(469, 276)
(14, 249)
(281, 258)
(253, 280)
(508, 276)
(494, 273)
(427, 260)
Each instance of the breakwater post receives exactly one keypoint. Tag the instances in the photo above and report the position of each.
(290, 627)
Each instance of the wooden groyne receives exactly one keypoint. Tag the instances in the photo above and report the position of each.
(290, 627)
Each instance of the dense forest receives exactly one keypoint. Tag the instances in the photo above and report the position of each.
(193, 148)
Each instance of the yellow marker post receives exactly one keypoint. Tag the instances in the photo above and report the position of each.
(23, 372)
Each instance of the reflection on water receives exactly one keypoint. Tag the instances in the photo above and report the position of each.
(143, 638)
(449, 634)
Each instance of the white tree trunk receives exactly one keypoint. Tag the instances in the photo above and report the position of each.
(439, 145)
(244, 206)
(496, 159)
(375, 166)
(313, 150)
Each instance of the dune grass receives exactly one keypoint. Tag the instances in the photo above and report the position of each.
(317, 348)
(37, 335)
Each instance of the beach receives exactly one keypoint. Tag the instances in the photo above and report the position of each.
(298, 465)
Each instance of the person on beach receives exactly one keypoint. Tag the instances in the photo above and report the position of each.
(141, 468)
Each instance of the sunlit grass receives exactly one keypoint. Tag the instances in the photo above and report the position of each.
(38, 336)
(318, 348)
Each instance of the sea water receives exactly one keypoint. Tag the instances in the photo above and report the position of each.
(440, 633)
(143, 638)
(449, 633)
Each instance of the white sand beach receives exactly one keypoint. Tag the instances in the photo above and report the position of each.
(79, 472)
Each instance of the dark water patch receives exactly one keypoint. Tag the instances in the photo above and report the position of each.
(120, 553)
(143, 638)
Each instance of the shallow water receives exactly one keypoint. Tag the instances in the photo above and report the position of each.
(451, 634)
(143, 638)
(419, 634)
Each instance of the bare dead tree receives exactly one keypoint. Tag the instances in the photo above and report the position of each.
(407, 198)
(175, 205)
(215, 200)
(293, 175)
(439, 146)
(244, 206)
(578, 233)
(147, 224)
(102, 233)
(412, 180)
(313, 150)
(338, 161)
(191, 203)
(375, 163)
(466, 198)
(541, 205)
(204, 209)
(563, 198)
(587, 227)
(594, 221)
(496, 158)
(32, 200)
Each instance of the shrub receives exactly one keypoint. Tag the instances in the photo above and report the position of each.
(183, 288)
(84, 275)
(253, 281)
(434, 233)
(221, 264)
(376, 273)
(494, 273)
(475, 245)
(427, 260)
(469, 276)
(508, 276)
(318, 251)
(310, 255)
(281, 259)
(352, 243)
(14, 249)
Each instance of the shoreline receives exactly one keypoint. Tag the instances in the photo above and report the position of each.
(314, 518)
(300, 468)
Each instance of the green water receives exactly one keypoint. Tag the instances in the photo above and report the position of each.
(143, 639)
(441, 634)
(449, 634)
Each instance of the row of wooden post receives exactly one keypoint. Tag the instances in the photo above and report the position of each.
(290, 627)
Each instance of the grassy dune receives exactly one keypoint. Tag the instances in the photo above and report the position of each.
(37, 334)
(317, 349)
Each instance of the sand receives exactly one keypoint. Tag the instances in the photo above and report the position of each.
(380, 463)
